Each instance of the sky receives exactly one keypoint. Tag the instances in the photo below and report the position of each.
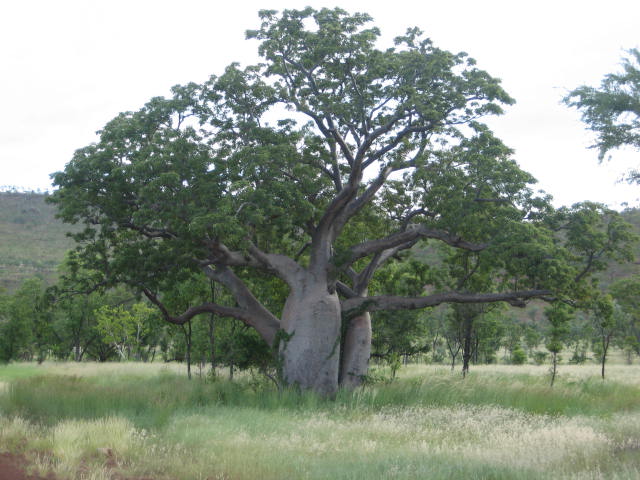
(67, 67)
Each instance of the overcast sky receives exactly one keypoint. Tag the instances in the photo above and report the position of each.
(68, 67)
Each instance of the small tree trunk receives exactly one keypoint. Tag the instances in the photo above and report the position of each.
(554, 366)
(232, 353)
(356, 352)
(454, 354)
(476, 349)
(76, 350)
(212, 331)
(187, 338)
(605, 347)
(466, 347)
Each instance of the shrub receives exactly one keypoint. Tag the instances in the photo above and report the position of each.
(518, 356)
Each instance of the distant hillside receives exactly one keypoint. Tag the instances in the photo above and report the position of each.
(32, 240)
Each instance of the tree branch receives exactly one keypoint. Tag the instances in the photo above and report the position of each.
(404, 238)
(284, 267)
(259, 317)
(193, 311)
(355, 306)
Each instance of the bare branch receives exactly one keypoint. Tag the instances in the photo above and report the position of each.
(395, 142)
(355, 306)
(197, 310)
(405, 237)
(150, 232)
(361, 283)
(344, 290)
(301, 251)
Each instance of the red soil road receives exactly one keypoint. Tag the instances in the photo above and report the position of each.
(12, 467)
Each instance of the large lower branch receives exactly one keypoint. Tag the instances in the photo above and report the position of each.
(284, 267)
(193, 311)
(354, 306)
(249, 309)
(260, 318)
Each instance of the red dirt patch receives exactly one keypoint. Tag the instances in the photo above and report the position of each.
(13, 467)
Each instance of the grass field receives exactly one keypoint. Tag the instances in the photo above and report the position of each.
(502, 422)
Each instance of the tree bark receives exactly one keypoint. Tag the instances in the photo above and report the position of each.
(466, 346)
(309, 349)
(356, 352)
(605, 347)
(212, 331)
(554, 366)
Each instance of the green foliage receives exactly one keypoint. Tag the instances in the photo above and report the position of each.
(26, 323)
(559, 316)
(626, 293)
(518, 356)
(540, 357)
(612, 111)
(126, 328)
(395, 362)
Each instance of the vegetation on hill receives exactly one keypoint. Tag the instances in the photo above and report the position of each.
(32, 241)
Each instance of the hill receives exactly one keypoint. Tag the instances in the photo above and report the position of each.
(32, 241)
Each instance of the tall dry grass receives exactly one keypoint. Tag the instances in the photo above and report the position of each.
(500, 422)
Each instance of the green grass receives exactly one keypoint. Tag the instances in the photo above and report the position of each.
(496, 424)
(14, 371)
(149, 401)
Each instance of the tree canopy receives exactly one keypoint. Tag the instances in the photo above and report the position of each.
(612, 111)
(292, 182)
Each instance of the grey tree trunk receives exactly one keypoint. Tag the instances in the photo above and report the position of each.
(605, 346)
(466, 347)
(356, 351)
(310, 347)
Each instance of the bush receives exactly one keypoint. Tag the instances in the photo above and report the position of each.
(518, 356)
(540, 357)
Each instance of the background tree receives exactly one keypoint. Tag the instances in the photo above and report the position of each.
(26, 323)
(580, 336)
(626, 293)
(606, 324)
(453, 336)
(612, 111)
(559, 316)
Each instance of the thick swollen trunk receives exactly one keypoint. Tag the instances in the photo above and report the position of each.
(356, 351)
(310, 347)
